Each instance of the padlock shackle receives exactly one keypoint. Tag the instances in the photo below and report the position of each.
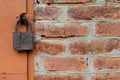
(27, 23)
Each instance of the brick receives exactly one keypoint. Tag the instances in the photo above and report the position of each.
(79, 47)
(51, 47)
(49, 30)
(47, 13)
(111, 45)
(110, 0)
(106, 77)
(97, 46)
(67, 1)
(75, 29)
(107, 63)
(67, 30)
(94, 46)
(93, 12)
(107, 28)
(64, 63)
(59, 77)
(113, 0)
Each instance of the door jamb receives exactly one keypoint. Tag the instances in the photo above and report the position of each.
(30, 55)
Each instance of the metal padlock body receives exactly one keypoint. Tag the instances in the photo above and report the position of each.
(23, 41)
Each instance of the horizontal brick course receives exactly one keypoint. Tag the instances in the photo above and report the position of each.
(78, 47)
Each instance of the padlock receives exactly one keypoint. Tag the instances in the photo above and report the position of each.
(23, 41)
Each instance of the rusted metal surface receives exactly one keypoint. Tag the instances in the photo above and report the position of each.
(11, 62)
(23, 41)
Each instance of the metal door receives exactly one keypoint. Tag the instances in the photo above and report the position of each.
(13, 65)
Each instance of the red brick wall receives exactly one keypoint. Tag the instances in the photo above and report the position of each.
(77, 39)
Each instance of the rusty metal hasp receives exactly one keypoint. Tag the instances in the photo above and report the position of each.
(23, 41)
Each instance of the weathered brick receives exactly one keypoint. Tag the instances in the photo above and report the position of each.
(106, 77)
(75, 29)
(67, 1)
(113, 0)
(110, 0)
(64, 63)
(59, 77)
(47, 13)
(107, 63)
(98, 46)
(67, 30)
(107, 28)
(111, 45)
(94, 46)
(79, 47)
(82, 47)
(93, 12)
(52, 47)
